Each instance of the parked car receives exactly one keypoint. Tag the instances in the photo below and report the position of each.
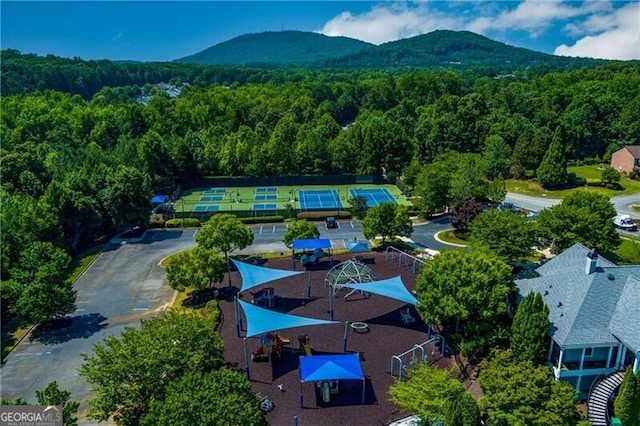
(330, 222)
(624, 221)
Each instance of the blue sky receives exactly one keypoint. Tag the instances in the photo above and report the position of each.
(167, 30)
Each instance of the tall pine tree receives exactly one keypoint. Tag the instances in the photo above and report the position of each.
(553, 169)
(626, 406)
(530, 330)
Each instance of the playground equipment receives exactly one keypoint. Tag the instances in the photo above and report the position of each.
(270, 348)
(265, 297)
(304, 344)
(314, 258)
(328, 388)
(407, 318)
(416, 354)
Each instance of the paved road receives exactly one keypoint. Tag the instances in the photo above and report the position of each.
(123, 285)
(268, 238)
(622, 203)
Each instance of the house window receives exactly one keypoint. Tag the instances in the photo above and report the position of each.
(588, 351)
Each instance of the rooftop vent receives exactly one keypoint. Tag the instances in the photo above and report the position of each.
(559, 304)
(611, 277)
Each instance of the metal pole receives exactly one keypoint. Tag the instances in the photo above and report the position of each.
(246, 359)
(344, 346)
(235, 308)
(331, 301)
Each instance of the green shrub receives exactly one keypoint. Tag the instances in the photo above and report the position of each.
(189, 222)
(342, 214)
(261, 219)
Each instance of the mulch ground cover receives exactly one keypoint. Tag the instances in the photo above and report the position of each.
(387, 335)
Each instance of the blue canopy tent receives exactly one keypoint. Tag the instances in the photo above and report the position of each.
(355, 246)
(321, 368)
(159, 199)
(253, 276)
(261, 321)
(393, 288)
(310, 244)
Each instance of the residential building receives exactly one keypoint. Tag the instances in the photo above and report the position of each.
(594, 311)
(626, 159)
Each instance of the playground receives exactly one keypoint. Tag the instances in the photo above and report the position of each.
(278, 200)
(385, 334)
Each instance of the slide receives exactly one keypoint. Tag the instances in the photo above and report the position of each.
(307, 349)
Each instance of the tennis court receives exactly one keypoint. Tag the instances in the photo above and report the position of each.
(201, 208)
(266, 189)
(213, 191)
(374, 196)
(209, 198)
(265, 197)
(317, 199)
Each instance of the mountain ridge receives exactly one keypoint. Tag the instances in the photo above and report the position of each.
(440, 48)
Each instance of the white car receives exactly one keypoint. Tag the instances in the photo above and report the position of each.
(624, 221)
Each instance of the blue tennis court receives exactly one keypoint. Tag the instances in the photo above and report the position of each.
(266, 189)
(208, 198)
(212, 191)
(201, 208)
(316, 199)
(264, 207)
(264, 197)
(374, 196)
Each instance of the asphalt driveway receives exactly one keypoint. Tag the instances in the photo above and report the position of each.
(124, 285)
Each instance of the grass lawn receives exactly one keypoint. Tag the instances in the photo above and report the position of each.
(449, 237)
(629, 251)
(590, 173)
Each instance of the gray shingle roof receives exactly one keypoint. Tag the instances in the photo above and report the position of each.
(588, 309)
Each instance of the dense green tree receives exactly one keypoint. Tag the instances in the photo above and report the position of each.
(300, 229)
(553, 169)
(626, 406)
(463, 213)
(519, 393)
(461, 285)
(196, 268)
(53, 395)
(582, 217)
(126, 197)
(130, 371)
(226, 233)
(508, 234)
(222, 397)
(432, 188)
(359, 205)
(387, 220)
(428, 391)
(497, 190)
(38, 289)
(467, 179)
(496, 155)
(530, 330)
(609, 176)
(463, 411)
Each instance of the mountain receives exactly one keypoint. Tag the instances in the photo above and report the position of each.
(277, 49)
(438, 49)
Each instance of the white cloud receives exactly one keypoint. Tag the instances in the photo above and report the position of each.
(617, 36)
(390, 22)
(607, 32)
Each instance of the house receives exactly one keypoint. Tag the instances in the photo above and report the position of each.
(626, 159)
(594, 310)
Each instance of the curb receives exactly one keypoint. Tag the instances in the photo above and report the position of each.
(435, 237)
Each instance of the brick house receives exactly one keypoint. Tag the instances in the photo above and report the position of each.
(626, 158)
